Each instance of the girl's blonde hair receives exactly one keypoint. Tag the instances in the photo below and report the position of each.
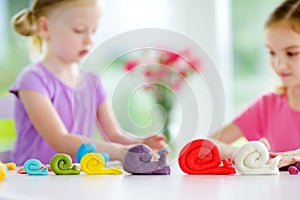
(288, 13)
(24, 22)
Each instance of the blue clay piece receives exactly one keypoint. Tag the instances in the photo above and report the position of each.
(105, 156)
(162, 151)
(84, 149)
(33, 167)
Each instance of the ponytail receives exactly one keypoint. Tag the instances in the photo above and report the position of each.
(24, 23)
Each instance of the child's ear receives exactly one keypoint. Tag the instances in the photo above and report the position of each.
(42, 27)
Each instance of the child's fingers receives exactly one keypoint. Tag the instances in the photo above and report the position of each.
(296, 159)
(288, 160)
(272, 154)
(266, 143)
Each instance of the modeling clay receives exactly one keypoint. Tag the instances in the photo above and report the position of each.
(33, 167)
(138, 160)
(253, 158)
(22, 171)
(293, 170)
(105, 156)
(297, 165)
(11, 166)
(3, 171)
(61, 164)
(88, 148)
(203, 157)
(94, 163)
(84, 149)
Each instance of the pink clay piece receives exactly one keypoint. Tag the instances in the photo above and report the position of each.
(293, 170)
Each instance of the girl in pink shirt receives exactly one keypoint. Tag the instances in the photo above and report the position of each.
(50, 116)
(274, 118)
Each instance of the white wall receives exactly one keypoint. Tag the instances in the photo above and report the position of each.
(194, 18)
(207, 22)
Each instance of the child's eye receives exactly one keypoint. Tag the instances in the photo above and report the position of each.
(79, 30)
(272, 53)
(291, 54)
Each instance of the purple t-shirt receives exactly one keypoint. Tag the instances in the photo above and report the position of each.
(75, 106)
(272, 117)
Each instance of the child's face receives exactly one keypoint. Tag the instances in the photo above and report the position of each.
(71, 31)
(284, 46)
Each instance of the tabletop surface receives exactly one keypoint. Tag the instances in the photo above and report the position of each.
(175, 186)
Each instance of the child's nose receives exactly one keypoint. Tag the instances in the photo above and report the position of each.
(280, 63)
(89, 39)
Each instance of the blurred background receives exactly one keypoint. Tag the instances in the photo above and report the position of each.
(230, 31)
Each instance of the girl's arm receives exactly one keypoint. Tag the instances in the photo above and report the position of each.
(287, 158)
(49, 125)
(231, 132)
(224, 137)
(112, 132)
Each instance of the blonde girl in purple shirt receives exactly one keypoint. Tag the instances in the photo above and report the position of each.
(58, 103)
(274, 118)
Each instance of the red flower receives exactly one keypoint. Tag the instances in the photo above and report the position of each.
(165, 67)
(131, 64)
(169, 58)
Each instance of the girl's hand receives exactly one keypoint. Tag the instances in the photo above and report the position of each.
(287, 158)
(265, 142)
(156, 142)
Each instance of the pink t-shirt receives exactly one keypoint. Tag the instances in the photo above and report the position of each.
(272, 117)
(76, 108)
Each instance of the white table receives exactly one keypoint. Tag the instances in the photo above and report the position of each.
(131, 187)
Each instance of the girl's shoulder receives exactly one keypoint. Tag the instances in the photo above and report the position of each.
(272, 99)
(33, 70)
(33, 77)
(273, 96)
